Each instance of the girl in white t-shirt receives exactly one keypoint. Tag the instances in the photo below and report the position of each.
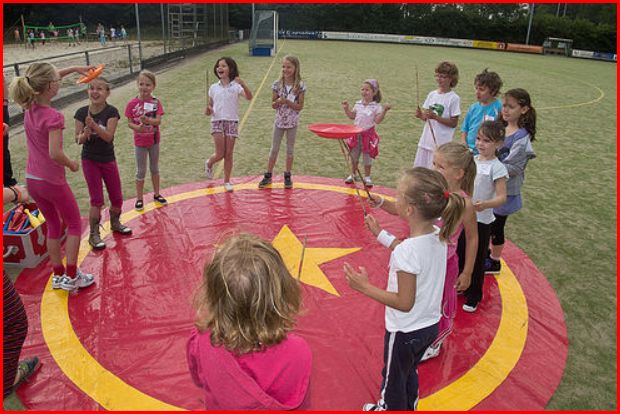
(287, 99)
(224, 110)
(489, 193)
(415, 282)
(367, 112)
(441, 111)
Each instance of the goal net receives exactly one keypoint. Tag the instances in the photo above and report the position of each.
(264, 33)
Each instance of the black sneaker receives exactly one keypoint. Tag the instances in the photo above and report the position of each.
(265, 181)
(470, 307)
(288, 183)
(491, 266)
(374, 407)
(139, 205)
(160, 199)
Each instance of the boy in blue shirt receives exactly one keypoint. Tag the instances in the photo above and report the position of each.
(488, 107)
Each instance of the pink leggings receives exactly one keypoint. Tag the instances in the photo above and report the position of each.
(98, 173)
(58, 205)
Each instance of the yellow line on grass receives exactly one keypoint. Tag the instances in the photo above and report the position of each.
(576, 105)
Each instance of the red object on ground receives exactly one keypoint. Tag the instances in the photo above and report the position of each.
(335, 131)
(92, 74)
(136, 319)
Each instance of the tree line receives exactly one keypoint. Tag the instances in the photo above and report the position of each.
(591, 26)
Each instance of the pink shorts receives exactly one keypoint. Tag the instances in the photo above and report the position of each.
(228, 128)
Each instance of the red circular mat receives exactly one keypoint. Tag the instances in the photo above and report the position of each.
(136, 320)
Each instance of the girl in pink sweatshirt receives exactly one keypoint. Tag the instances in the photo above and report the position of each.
(241, 352)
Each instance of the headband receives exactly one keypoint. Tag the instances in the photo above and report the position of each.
(373, 83)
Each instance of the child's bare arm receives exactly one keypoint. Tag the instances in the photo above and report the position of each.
(402, 300)
(463, 138)
(379, 118)
(347, 110)
(470, 227)
(449, 122)
(498, 200)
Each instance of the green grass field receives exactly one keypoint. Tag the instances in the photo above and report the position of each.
(568, 223)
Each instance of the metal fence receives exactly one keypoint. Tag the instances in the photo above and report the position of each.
(122, 64)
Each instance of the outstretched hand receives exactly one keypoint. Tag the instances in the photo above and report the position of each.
(372, 224)
(84, 70)
(356, 280)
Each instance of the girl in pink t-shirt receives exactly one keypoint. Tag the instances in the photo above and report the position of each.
(241, 352)
(144, 117)
(456, 163)
(45, 170)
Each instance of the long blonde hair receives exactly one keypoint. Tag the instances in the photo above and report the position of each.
(248, 299)
(297, 76)
(459, 156)
(37, 78)
(428, 191)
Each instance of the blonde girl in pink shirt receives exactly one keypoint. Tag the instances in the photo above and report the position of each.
(45, 169)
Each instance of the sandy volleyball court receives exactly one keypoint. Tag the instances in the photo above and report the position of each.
(14, 53)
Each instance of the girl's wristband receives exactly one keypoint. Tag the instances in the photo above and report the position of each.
(386, 239)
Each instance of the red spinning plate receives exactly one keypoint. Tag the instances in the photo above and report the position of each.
(334, 130)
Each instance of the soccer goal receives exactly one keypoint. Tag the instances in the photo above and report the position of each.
(264, 33)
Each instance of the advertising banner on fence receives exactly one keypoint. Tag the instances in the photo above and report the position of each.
(483, 44)
(516, 47)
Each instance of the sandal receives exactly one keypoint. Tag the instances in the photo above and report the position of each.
(139, 205)
(25, 369)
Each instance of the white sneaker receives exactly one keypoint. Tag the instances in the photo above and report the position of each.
(368, 181)
(84, 279)
(208, 171)
(56, 281)
(431, 352)
(349, 180)
(228, 187)
(64, 282)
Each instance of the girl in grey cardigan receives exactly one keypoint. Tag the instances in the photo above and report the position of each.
(519, 117)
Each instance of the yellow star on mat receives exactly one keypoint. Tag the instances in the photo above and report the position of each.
(290, 248)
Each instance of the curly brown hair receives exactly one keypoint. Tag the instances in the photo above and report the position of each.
(449, 69)
(489, 79)
(248, 299)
